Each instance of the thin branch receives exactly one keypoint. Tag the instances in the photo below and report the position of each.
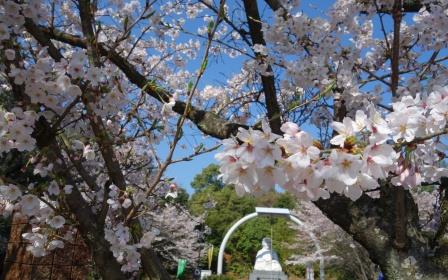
(195, 154)
(183, 117)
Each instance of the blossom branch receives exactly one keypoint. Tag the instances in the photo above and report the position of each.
(208, 122)
(268, 82)
(183, 117)
(151, 264)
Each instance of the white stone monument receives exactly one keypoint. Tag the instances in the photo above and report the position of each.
(267, 265)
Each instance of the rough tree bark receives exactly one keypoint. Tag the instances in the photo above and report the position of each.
(371, 222)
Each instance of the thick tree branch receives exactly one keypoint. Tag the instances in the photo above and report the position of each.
(208, 122)
(442, 230)
(268, 81)
(349, 217)
(371, 223)
(274, 4)
(395, 61)
(401, 238)
(102, 136)
(43, 39)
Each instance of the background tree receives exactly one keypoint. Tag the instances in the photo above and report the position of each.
(208, 177)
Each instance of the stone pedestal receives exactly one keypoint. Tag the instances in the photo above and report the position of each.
(267, 275)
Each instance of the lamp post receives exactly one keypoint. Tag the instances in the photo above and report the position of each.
(262, 211)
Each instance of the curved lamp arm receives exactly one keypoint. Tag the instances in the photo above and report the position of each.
(275, 212)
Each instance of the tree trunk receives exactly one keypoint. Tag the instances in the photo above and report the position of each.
(89, 226)
(152, 265)
(370, 221)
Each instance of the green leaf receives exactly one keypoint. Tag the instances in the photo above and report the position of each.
(190, 86)
(204, 65)
(211, 24)
(65, 140)
(125, 23)
(199, 148)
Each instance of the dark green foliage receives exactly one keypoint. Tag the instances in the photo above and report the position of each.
(208, 177)
(228, 209)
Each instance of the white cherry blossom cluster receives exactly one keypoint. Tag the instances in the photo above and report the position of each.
(45, 222)
(16, 128)
(40, 85)
(366, 149)
(39, 243)
(169, 230)
(44, 237)
(12, 16)
(431, 25)
(123, 250)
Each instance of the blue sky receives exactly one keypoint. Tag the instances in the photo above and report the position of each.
(184, 172)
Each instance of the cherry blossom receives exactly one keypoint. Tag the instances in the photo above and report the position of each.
(301, 149)
(53, 188)
(57, 222)
(323, 104)
(30, 204)
(88, 152)
(344, 129)
(10, 192)
(364, 154)
(68, 189)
